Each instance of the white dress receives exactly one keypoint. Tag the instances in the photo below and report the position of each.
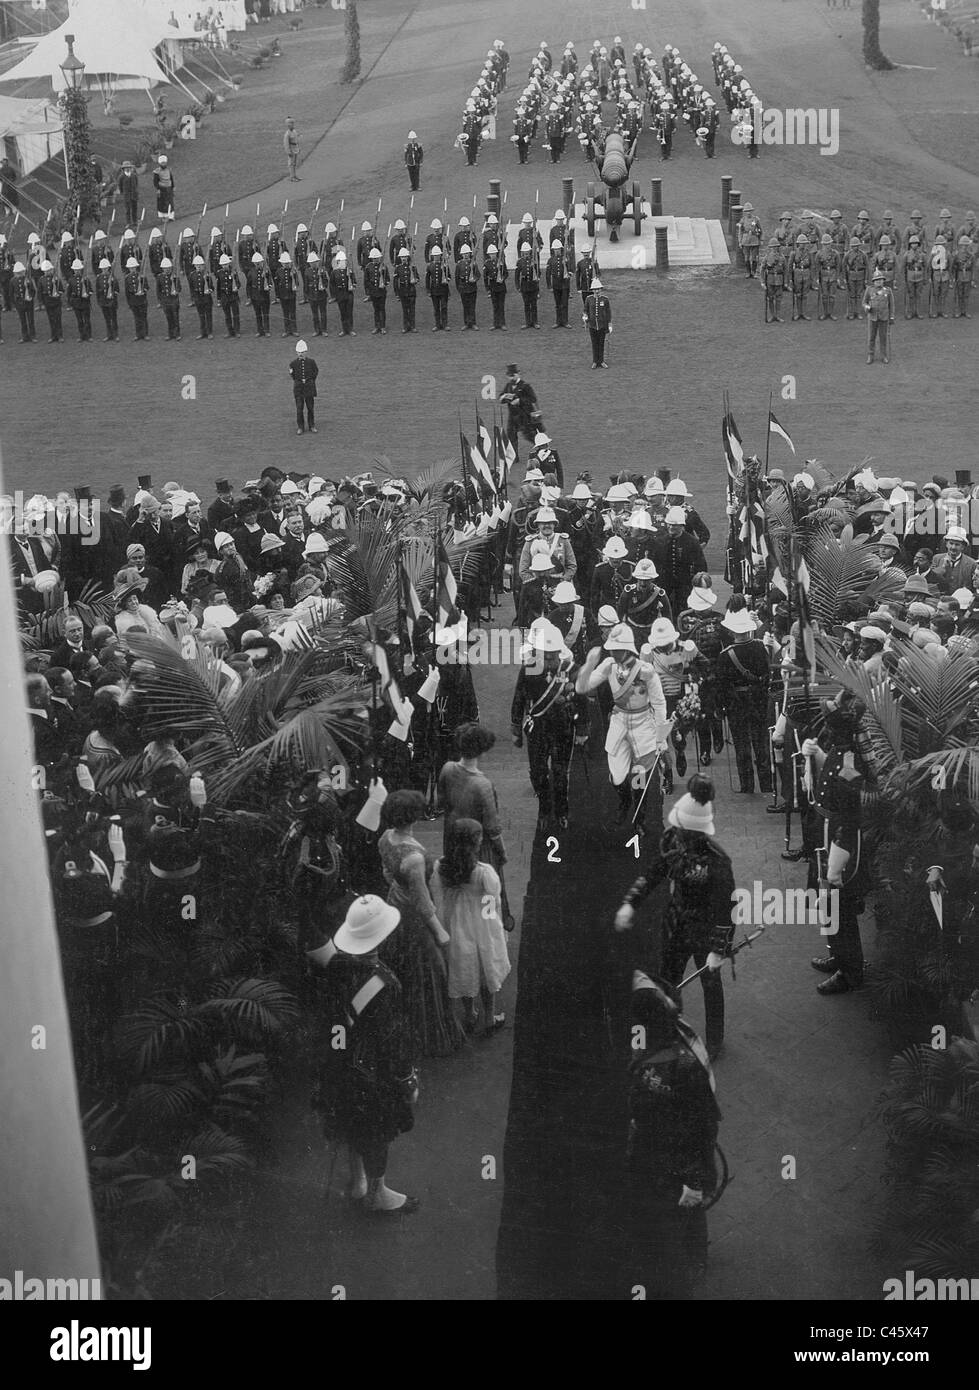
(477, 942)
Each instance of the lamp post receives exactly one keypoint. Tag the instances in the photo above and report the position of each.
(81, 202)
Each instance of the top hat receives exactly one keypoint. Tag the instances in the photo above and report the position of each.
(144, 480)
(222, 485)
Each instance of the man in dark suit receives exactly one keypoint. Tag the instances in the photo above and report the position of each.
(73, 643)
(598, 316)
(191, 527)
(304, 372)
(678, 556)
(113, 538)
(222, 509)
(154, 534)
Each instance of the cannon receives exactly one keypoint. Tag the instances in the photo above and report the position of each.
(621, 199)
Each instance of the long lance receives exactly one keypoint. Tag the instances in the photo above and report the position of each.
(745, 941)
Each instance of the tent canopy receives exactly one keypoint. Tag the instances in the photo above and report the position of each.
(113, 40)
(35, 128)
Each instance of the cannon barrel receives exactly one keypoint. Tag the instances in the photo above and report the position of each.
(615, 162)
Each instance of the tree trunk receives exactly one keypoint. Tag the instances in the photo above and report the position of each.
(872, 54)
(351, 29)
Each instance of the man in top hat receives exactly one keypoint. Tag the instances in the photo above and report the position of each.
(637, 726)
(598, 317)
(304, 372)
(523, 414)
(878, 305)
(222, 510)
(743, 673)
(544, 709)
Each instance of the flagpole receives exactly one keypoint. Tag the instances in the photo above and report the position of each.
(768, 430)
(465, 470)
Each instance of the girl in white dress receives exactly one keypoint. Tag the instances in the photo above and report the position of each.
(466, 893)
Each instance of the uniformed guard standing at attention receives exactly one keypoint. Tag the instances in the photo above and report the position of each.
(137, 297)
(939, 278)
(300, 253)
(414, 154)
(67, 253)
(827, 277)
(771, 272)
(406, 288)
(467, 283)
(743, 674)
(839, 232)
(585, 268)
(465, 236)
(217, 247)
(878, 305)
(558, 276)
(527, 280)
(304, 372)
(884, 259)
(107, 298)
(317, 283)
(101, 248)
(79, 293)
(129, 247)
(259, 285)
(915, 228)
(274, 246)
(156, 250)
(187, 249)
(855, 273)
(598, 316)
(495, 273)
(800, 276)
(343, 281)
(246, 250)
(365, 244)
(963, 276)
(377, 277)
(201, 289)
(286, 292)
(436, 237)
(437, 278)
(228, 288)
(915, 273)
(168, 297)
(399, 238)
(49, 292)
(749, 239)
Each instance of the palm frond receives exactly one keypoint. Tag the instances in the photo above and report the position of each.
(840, 570)
(254, 1008)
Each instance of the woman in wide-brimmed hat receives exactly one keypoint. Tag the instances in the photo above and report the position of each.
(367, 1087)
(130, 612)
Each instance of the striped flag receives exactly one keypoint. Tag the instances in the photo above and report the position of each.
(733, 448)
(446, 590)
(480, 466)
(505, 453)
(389, 686)
(411, 609)
(484, 440)
(806, 632)
(775, 428)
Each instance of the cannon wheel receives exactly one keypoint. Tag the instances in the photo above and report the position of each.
(637, 209)
(590, 215)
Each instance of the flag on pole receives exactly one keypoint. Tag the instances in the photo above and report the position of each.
(505, 452)
(806, 632)
(733, 448)
(484, 440)
(411, 607)
(775, 428)
(480, 465)
(446, 590)
(389, 686)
